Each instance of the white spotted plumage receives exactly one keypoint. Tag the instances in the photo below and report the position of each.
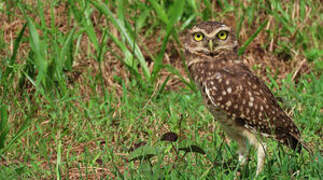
(240, 101)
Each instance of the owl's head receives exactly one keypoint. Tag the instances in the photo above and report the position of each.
(210, 38)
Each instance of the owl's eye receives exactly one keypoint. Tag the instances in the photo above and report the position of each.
(198, 36)
(223, 35)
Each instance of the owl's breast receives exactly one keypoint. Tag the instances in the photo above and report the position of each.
(218, 113)
(202, 72)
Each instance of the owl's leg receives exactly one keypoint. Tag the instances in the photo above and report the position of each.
(243, 149)
(243, 152)
(261, 155)
(261, 150)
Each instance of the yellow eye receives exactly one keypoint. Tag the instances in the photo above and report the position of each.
(198, 36)
(222, 35)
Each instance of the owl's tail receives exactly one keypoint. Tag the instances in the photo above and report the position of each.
(297, 144)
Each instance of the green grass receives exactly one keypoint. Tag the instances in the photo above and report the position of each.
(84, 81)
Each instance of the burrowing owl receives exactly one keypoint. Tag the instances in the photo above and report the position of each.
(239, 100)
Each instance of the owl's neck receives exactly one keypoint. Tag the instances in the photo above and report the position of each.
(202, 66)
(218, 59)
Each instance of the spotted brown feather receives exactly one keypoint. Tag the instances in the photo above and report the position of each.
(239, 100)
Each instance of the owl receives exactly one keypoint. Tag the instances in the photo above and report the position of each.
(241, 102)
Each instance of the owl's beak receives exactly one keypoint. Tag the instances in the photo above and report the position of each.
(211, 45)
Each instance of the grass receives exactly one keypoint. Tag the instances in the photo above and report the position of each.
(83, 82)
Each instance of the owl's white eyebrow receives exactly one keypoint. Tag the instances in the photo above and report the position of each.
(212, 34)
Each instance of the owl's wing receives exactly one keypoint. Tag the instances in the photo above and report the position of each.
(249, 101)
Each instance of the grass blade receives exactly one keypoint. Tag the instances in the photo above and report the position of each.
(3, 125)
(160, 11)
(90, 29)
(252, 37)
(66, 59)
(58, 160)
(128, 60)
(16, 136)
(174, 71)
(14, 54)
(16, 45)
(175, 13)
(105, 10)
(37, 48)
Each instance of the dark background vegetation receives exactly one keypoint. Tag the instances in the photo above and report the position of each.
(98, 89)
